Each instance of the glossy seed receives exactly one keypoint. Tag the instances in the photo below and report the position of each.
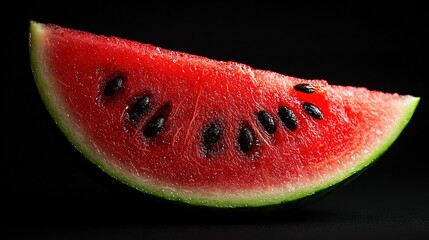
(313, 110)
(139, 108)
(304, 87)
(245, 139)
(113, 85)
(267, 121)
(211, 135)
(288, 117)
(154, 126)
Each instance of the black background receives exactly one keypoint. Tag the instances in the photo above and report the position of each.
(50, 191)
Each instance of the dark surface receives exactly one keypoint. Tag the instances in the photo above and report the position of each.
(50, 191)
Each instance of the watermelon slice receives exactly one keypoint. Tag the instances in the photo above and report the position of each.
(207, 132)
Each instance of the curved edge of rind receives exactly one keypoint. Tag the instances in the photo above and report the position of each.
(43, 83)
(44, 86)
(39, 72)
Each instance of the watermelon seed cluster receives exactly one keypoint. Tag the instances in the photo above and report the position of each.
(309, 108)
(212, 133)
(286, 116)
(139, 108)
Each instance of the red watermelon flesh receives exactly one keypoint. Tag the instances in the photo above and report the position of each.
(188, 128)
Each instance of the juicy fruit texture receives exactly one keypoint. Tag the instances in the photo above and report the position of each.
(207, 132)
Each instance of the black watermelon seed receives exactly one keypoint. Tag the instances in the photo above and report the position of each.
(113, 85)
(267, 121)
(288, 117)
(140, 107)
(245, 139)
(313, 110)
(304, 87)
(154, 126)
(211, 135)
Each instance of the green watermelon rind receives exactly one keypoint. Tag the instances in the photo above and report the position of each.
(47, 92)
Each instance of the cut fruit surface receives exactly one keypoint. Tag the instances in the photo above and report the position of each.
(207, 132)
